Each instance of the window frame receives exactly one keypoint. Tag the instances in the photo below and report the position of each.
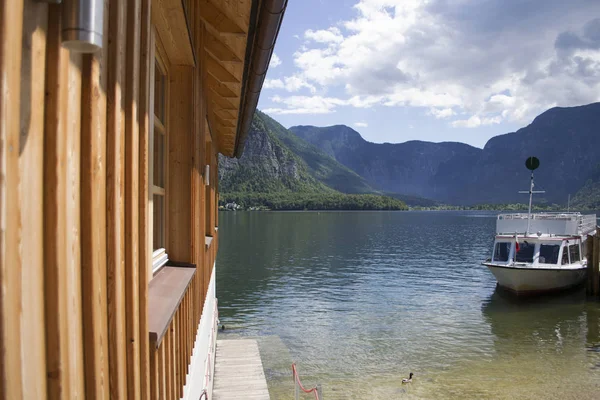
(496, 245)
(522, 246)
(158, 56)
(548, 244)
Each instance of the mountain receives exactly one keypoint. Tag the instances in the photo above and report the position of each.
(278, 170)
(405, 168)
(275, 160)
(320, 165)
(267, 165)
(564, 139)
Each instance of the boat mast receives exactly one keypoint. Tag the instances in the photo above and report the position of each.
(530, 200)
(531, 163)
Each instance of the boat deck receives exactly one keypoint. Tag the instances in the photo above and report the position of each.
(239, 372)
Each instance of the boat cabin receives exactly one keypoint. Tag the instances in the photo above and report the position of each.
(538, 251)
(546, 239)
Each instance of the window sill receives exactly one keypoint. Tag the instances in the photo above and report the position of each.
(208, 241)
(165, 292)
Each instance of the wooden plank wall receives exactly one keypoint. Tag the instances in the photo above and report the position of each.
(75, 248)
(145, 238)
(11, 299)
(74, 149)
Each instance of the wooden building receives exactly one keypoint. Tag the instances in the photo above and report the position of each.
(109, 191)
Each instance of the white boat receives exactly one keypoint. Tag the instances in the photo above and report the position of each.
(540, 252)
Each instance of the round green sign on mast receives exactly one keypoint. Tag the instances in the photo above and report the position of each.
(532, 163)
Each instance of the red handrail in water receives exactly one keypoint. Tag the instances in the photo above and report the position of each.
(297, 380)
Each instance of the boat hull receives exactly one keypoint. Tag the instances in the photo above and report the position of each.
(528, 281)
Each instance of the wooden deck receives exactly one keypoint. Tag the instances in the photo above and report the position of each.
(239, 372)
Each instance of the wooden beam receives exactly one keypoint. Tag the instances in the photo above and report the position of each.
(216, 18)
(225, 123)
(145, 237)
(93, 223)
(132, 243)
(226, 114)
(62, 268)
(200, 108)
(115, 194)
(220, 50)
(31, 191)
(220, 103)
(11, 341)
(180, 147)
(220, 88)
(217, 70)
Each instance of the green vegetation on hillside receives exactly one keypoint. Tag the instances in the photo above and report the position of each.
(267, 165)
(588, 197)
(320, 165)
(311, 201)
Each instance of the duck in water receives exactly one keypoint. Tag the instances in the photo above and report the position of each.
(409, 380)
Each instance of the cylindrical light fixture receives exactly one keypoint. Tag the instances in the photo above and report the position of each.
(82, 25)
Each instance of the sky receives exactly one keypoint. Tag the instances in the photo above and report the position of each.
(434, 70)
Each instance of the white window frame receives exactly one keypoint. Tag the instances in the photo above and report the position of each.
(160, 256)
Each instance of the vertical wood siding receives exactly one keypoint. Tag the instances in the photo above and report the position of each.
(115, 177)
(132, 199)
(75, 238)
(11, 382)
(61, 155)
(31, 191)
(145, 254)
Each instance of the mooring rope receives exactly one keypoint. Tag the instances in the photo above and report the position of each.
(297, 380)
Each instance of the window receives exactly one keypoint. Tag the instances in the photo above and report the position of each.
(159, 165)
(525, 253)
(501, 252)
(574, 253)
(549, 253)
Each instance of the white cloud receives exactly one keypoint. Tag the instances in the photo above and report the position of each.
(492, 60)
(331, 35)
(290, 83)
(275, 61)
(273, 84)
(441, 113)
(361, 124)
(304, 105)
(475, 121)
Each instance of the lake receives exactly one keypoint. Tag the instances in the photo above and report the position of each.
(360, 299)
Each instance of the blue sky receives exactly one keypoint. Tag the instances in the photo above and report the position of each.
(435, 70)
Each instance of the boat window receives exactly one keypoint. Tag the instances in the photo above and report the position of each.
(525, 253)
(574, 253)
(549, 253)
(501, 251)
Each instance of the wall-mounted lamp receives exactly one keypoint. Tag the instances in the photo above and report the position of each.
(82, 25)
(207, 175)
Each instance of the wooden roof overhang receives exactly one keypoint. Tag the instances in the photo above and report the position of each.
(233, 40)
(238, 41)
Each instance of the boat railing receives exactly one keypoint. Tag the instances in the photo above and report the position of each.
(542, 216)
(587, 223)
(575, 223)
